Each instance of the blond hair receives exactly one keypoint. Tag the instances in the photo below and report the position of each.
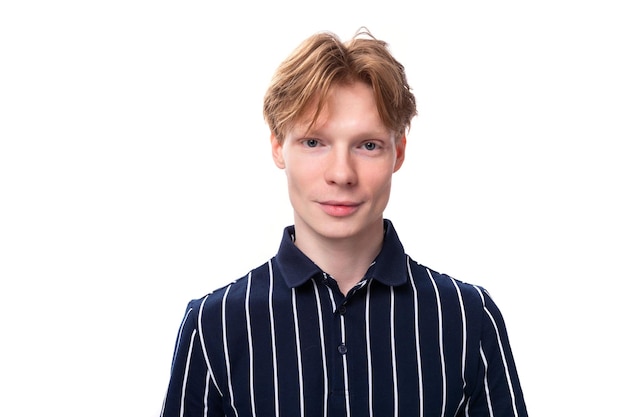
(322, 61)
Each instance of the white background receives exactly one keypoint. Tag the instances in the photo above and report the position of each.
(135, 174)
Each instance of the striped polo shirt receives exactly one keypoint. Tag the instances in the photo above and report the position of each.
(284, 341)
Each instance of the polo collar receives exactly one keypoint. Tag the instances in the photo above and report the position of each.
(389, 267)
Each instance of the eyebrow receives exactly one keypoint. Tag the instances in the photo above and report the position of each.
(362, 134)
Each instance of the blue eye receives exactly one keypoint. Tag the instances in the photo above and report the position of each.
(370, 146)
(311, 143)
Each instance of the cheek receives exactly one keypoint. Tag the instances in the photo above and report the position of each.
(299, 176)
(380, 191)
(379, 179)
(300, 164)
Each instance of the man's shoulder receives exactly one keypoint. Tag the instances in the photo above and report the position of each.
(236, 289)
(446, 284)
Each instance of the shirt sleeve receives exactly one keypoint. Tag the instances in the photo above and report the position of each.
(191, 391)
(498, 392)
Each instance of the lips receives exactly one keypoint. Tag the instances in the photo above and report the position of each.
(339, 208)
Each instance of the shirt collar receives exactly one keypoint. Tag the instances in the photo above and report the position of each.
(388, 267)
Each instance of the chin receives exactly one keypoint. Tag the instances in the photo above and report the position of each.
(341, 229)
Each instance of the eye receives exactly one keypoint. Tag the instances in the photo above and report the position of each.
(311, 143)
(370, 146)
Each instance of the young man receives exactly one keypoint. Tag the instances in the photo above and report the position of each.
(341, 322)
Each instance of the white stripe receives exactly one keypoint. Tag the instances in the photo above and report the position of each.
(487, 394)
(344, 359)
(323, 345)
(226, 355)
(209, 375)
(392, 324)
(273, 331)
(464, 351)
(184, 386)
(250, 348)
(180, 332)
(207, 383)
(443, 363)
(203, 345)
(368, 339)
(420, 384)
(506, 365)
(298, 349)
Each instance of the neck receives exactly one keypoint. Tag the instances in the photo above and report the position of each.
(345, 259)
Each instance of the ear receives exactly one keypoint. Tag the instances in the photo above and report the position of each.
(400, 152)
(277, 152)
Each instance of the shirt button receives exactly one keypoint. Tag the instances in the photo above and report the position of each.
(342, 349)
(341, 310)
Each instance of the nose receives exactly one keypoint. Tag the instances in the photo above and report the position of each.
(340, 168)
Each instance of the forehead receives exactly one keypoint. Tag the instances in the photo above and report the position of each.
(347, 106)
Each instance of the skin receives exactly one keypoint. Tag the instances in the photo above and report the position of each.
(339, 181)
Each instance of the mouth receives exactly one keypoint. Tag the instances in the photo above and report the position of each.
(339, 208)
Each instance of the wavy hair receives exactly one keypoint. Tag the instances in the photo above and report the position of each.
(322, 61)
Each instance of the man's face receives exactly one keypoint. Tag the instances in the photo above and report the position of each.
(339, 172)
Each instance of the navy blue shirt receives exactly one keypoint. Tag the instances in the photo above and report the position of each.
(284, 341)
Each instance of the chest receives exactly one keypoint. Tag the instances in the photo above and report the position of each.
(376, 352)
